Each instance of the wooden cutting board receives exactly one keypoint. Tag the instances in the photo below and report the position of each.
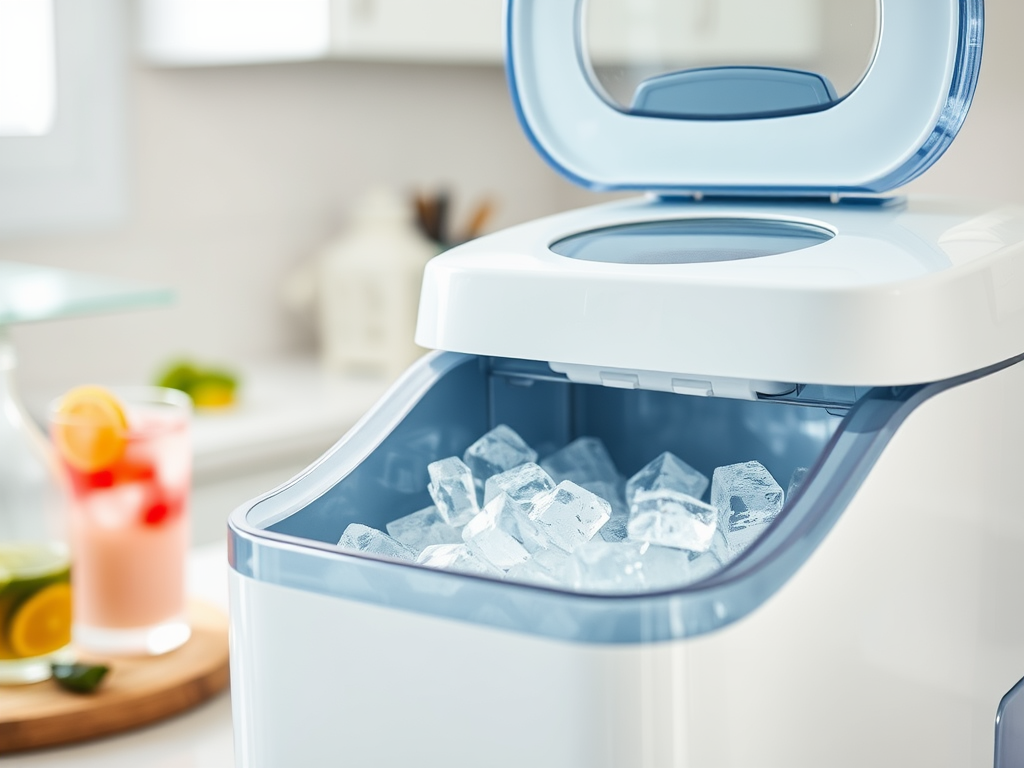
(136, 691)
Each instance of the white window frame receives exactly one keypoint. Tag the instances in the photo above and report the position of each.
(73, 177)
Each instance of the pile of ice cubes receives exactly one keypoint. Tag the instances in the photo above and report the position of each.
(573, 522)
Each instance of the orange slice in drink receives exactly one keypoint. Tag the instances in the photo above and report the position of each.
(42, 623)
(90, 429)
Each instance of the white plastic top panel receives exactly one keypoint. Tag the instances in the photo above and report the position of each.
(891, 127)
(897, 295)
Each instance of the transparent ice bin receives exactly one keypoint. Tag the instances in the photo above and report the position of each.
(378, 473)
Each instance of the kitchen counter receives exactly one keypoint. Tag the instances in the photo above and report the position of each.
(199, 738)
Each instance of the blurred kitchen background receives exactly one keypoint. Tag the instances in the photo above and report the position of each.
(197, 147)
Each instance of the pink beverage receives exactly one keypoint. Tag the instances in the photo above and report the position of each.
(130, 477)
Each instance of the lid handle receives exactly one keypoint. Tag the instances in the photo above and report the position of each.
(732, 92)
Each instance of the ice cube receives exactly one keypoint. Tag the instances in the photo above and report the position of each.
(583, 461)
(719, 548)
(667, 567)
(121, 505)
(703, 565)
(669, 518)
(518, 524)
(457, 557)
(667, 471)
(423, 528)
(612, 492)
(570, 515)
(796, 480)
(748, 499)
(499, 450)
(548, 567)
(520, 488)
(451, 487)
(486, 538)
(616, 529)
(374, 542)
(611, 566)
(522, 484)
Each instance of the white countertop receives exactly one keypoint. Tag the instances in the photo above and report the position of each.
(287, 409)
(199, 738)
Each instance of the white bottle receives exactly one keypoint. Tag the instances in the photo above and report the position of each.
(369, 288)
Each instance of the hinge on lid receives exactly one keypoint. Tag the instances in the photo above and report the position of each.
(679, 383)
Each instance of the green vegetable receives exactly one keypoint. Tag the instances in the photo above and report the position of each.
(79, 678)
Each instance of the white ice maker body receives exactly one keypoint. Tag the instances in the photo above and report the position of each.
(748, 309)
(878, 606)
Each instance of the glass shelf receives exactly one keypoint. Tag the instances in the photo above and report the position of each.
(29, 293)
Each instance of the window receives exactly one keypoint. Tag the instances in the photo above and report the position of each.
(26, 67)
(61, 154)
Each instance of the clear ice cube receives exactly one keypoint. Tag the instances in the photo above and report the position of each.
(616, 529)
(748, 499)
(570, 515)
(370, 540)
(669, 518)
(796, 480)
(719, 548)
(548, 567)
(612, 492)
(520, 525)
(703, 565)
(499, 450)
(423, 528)
(667, 567)
(611, 566)
(583, 461)
(487, 538)
(457, 557)
(451, 487)
(667, 471)
(522, 485)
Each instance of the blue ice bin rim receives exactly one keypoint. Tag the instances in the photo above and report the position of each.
(723, 598)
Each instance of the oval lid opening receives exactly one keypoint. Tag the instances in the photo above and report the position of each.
(670, 110)
(691, 241)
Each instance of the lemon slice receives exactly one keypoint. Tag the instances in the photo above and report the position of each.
(90, 429)
(42, 623)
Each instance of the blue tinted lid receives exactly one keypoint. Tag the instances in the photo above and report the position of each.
(749, 130)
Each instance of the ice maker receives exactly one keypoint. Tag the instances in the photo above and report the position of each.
(764, 300)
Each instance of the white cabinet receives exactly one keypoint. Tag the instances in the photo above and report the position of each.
(212, 32)
(439, 30)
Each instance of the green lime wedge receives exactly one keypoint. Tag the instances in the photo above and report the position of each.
(25, 561)
(79, 678)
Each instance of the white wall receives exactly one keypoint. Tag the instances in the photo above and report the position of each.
(238, 174)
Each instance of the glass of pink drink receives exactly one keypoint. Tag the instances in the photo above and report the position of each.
(130, 473)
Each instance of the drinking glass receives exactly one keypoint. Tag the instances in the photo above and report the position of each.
(130, 475)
